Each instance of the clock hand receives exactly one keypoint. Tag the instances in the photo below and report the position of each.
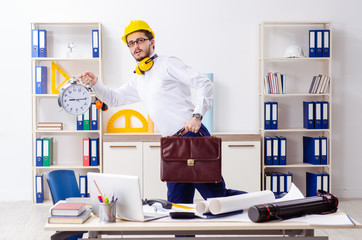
(77, 99)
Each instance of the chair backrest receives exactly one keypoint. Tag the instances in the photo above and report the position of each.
(63, 184)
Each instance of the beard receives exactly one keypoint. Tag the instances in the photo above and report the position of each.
(143, 54)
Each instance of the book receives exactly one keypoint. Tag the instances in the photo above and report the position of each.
(67, 209)
(71, 219)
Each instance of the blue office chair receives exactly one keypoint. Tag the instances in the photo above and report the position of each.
(63, 184)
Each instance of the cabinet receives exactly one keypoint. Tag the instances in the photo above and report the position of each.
(139, 155)
(274, 39)
(69, 47)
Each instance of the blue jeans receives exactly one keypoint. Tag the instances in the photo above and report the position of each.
(184, 192)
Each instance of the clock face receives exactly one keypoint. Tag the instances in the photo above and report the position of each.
(76, 99)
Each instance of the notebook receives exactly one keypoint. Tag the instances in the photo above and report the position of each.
(127, 190)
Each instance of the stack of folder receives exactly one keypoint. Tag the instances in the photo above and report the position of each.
(315, 182)
(319, 41)
(44, 152)
(275, 83)
(315, 150)
(316, 115)
(278, 183)
(89, 119)
(90, 151)
(271, 115)
(50, 126)
(39, 43)
(275, 150)
(319, 84)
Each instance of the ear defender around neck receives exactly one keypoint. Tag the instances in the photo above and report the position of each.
(145, 65)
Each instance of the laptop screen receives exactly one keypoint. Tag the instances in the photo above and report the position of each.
(125, 188)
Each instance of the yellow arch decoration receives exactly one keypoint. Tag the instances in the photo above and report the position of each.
(127, 113)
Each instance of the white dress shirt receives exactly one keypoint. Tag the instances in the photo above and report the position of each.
(166, 92)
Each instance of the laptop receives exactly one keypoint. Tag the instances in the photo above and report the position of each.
(127, 189)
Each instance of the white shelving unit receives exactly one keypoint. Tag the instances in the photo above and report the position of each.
(67, 145)
(274, 38)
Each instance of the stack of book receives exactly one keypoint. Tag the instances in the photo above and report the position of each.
(275, 83)
(67, 212)
(50, 126)
(319, 84)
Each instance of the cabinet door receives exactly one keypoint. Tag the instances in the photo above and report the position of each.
(123, 158)
(153, 186)
(241, 165)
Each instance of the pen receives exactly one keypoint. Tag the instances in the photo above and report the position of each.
(100, 199)
(182, 206)
(106, 200)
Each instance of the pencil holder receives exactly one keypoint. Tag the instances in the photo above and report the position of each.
(107, 212)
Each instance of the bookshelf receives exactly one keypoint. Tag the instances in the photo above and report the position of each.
(69, 46)
(274, 39)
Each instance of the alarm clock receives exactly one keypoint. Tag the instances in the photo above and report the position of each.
(75, 98)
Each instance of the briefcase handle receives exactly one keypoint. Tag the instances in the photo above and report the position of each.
(181, 133)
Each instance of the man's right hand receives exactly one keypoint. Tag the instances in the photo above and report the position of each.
(88, 78)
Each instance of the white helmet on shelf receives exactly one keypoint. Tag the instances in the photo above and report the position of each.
(294, 52)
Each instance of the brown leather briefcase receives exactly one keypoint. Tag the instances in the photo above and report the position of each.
(191, 159)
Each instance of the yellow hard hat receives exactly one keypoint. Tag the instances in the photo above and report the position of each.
(134, 26)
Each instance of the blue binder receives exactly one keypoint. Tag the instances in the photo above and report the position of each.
(42, 43)
(94, 151)
(80, 122)
(325, 182)
(275, 183)
(274, 115)
(282, 151)
(314, 183)
(308, 115)
(39, 188)
(325, 115)
(83, 186)
(319, 43)
(281, 182)
(311, 150)
(275, 151)
(326, 42)
(35, 43)
(267, 115)
(268, 141)
(288, 181)
(94, 117)
(324, 150)
(268, 181)
(39, 152)
(317, 115)
(95, 43)
(41, 80)
(312, 43)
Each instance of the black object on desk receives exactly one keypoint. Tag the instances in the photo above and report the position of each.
(322, 204)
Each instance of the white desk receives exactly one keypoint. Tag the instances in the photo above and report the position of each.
(270, 230)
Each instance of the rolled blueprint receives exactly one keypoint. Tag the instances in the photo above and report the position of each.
(239, 202)
(202, 207)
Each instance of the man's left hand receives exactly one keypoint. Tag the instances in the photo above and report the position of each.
(192, 125)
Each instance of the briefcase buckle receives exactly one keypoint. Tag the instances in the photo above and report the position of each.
(190, 162)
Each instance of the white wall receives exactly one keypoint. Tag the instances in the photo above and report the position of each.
(212, 36)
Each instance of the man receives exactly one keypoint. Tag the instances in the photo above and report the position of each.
(163, 84)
